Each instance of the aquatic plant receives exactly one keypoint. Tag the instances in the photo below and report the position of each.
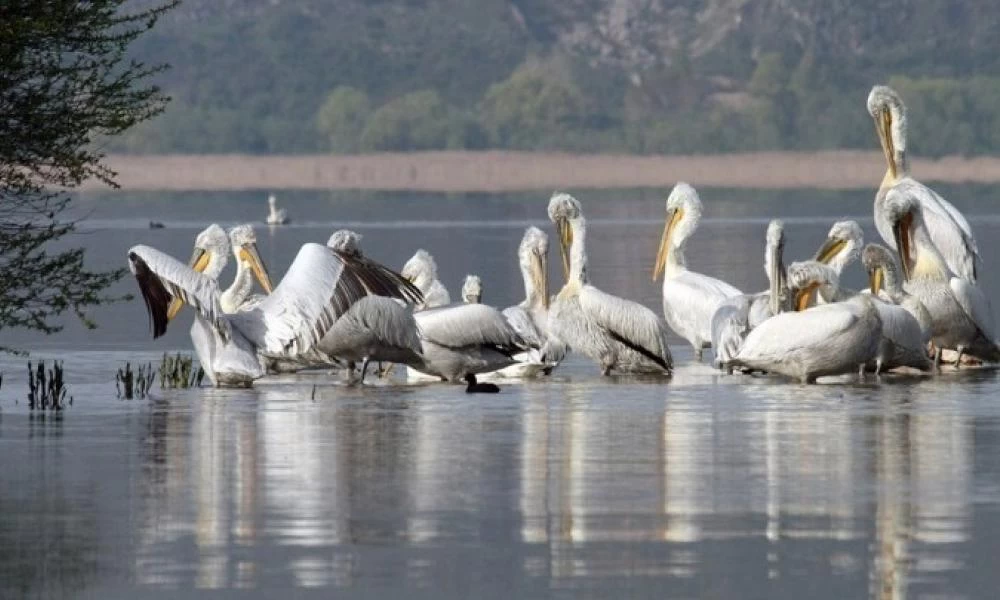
(178, 372)
(129, 383)
(46, 389)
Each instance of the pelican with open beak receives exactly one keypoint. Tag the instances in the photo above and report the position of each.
(690, 299)
(618, 334)
(961, 316)
(947, 228)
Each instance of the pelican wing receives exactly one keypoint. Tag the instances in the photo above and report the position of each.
(317, 289)
(628, 322)
(524, 325)
(162, 278)
(380, 280)
(975, 304)
(788, 333)
(690, 299)
(469, 325)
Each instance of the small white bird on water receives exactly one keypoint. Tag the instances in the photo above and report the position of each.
(275, 215)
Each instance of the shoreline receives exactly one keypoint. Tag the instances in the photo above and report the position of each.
(503, 171)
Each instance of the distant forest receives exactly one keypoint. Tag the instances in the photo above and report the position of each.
(635, 76)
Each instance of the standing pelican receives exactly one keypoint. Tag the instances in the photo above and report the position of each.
(530, 317)
(472, 289)
(946, 227)
(906, 324)
(317, 289)
(841, 248)
(376, 327)
(689, 299)
(737, 316)
(421, 270)
(961, 316)
(275, 215)
(616, 333)
(829, 339)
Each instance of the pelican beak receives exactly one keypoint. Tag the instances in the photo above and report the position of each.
(901, 233)
(565, 240)
(875, 278)
(777, 284)
(803, 297)
(830, 248)
(883, 125)
(540, 271)
(199, 262)
(249, 254)
(674, 216)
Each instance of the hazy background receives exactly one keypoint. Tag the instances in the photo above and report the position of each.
(638, 76)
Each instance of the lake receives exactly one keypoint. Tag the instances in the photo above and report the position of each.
(708, 486)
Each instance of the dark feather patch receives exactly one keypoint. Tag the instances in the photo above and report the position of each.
(154, 294)
(643, 351)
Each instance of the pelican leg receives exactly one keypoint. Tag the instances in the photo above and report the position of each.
(958, 361)
(698, 353)
(937, 359)
(878, 366)
(861, 372)
(350, 373)
(364, 367)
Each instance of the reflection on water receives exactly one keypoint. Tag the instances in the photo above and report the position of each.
(709, 486)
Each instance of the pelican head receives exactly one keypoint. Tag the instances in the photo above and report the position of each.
(472, 289)
(806, 277)
(211, 252)
(887, 109)
(420, 270)
(271, 200)
(346, 242)
(882, 268)
(904, 214)
(532, 255)
(244, 243)
(683, 213)
(842, 245)
(564, 210)
(774, 251)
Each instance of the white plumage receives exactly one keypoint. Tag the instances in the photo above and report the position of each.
(421, 270)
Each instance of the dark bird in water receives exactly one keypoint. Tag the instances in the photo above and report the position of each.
(155, 225)
(479, 388)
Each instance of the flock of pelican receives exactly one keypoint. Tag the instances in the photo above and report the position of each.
(335, 307)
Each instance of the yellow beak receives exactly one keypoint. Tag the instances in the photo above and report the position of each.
(803, 298)
(875, 278)
(541, 275)
(901, 231)
(249, 254)
(829, 250)
(674, 217)
(883, 125)
(565, 241)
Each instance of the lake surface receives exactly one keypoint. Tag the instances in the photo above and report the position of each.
(573, 486)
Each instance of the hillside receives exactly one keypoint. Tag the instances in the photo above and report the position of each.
(663, 76)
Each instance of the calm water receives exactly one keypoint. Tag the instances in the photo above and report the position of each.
(706, 487)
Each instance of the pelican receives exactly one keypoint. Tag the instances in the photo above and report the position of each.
(472, 289)
(616, 333)
(530, 317)
(421, 270)
(377, 327)
(275, 215)
(317, 289)
(689, 299)
(960, 313)
(828, 339)
(465, 339)
(906, 324)
(946, 227)
(841, 248)
(738, 315)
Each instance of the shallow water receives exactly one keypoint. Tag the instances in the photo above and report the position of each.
(709, 486)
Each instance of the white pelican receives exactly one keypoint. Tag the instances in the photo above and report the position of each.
(421, 270)
(472, 289)
(961, 316)
(275, 215)
(376, 327)
(738, 315)
(829, 339)
(530, 317)
(841, 248)
(616, 333)
(689, 299)
(947, 228)
(317, 289)
(906, 324)
(465, 338)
